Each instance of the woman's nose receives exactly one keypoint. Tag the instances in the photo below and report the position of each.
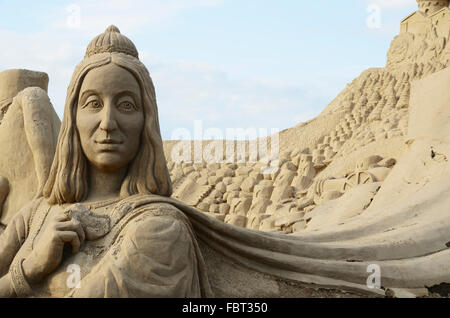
(108, 121)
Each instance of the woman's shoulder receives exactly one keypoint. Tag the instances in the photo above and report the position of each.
(161, 213)
(156, 218)
(163, 209)
(152, 206)
(159, 223)
(28, 210)
(23, 220)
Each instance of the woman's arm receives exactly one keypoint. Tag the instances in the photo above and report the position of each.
(11, 241)
(154, 257)
(6, 289)
(14, 236)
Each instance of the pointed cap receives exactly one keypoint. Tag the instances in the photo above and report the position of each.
(111, 41)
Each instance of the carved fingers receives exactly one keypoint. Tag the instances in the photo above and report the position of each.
(70, 231)
(72, 238)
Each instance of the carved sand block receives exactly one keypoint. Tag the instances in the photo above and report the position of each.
(177, 173)
(28, 132)
(259, 206)
(194, 176)
(203, 206)
(243, 171)
(296, 160)
(274, 176)
(281, 193)
(210, 201)
(268, 224)
(315, 154)
(249, 184)
(285, 178)
(245, 195)
(202, 181)
(286, 221)
(199, 166)
(213, 180)
(307, 170)
(227, 181)
(221, 187)
(281, 208)
(225, 172)
(329, 153)
(214, 208)
(238, 180)
(294, 153)
(281, 160)
(257, 175)
(289, 165)
(305, 202)
(186, 164)
(216, 194)
(309, 208)
(267, 177)
(233, 187)
(255, 220)
(319, 162)
(213, 166)
(219, 217)
(188, 169)
(231, 196)
(192, 192)
(224, 208)
(236, 220)
(263, 190)
(225, 196)
(240, 206)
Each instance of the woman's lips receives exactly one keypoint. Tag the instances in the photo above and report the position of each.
(108, 142)
(108, 145)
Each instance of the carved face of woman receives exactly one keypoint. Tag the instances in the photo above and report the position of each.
(110, 118)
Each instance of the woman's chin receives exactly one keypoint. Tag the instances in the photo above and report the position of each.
(109, 162)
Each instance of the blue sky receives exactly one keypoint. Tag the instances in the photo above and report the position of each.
(229, 63)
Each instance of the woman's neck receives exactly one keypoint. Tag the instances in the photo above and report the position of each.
(104, 185)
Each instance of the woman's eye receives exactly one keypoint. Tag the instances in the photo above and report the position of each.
(126, 106)
(94, 104)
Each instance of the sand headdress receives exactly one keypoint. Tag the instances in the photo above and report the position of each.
(111, 41)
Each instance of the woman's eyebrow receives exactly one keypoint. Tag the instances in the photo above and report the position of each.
(88, 93)
(130, 93)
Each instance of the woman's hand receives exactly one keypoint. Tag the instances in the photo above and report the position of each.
(48, 251)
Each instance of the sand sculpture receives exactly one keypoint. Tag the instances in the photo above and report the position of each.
(365, 183)
(356, 140)
(96, 201)
(29, 128)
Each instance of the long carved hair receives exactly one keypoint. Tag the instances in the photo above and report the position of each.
(147, 173)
